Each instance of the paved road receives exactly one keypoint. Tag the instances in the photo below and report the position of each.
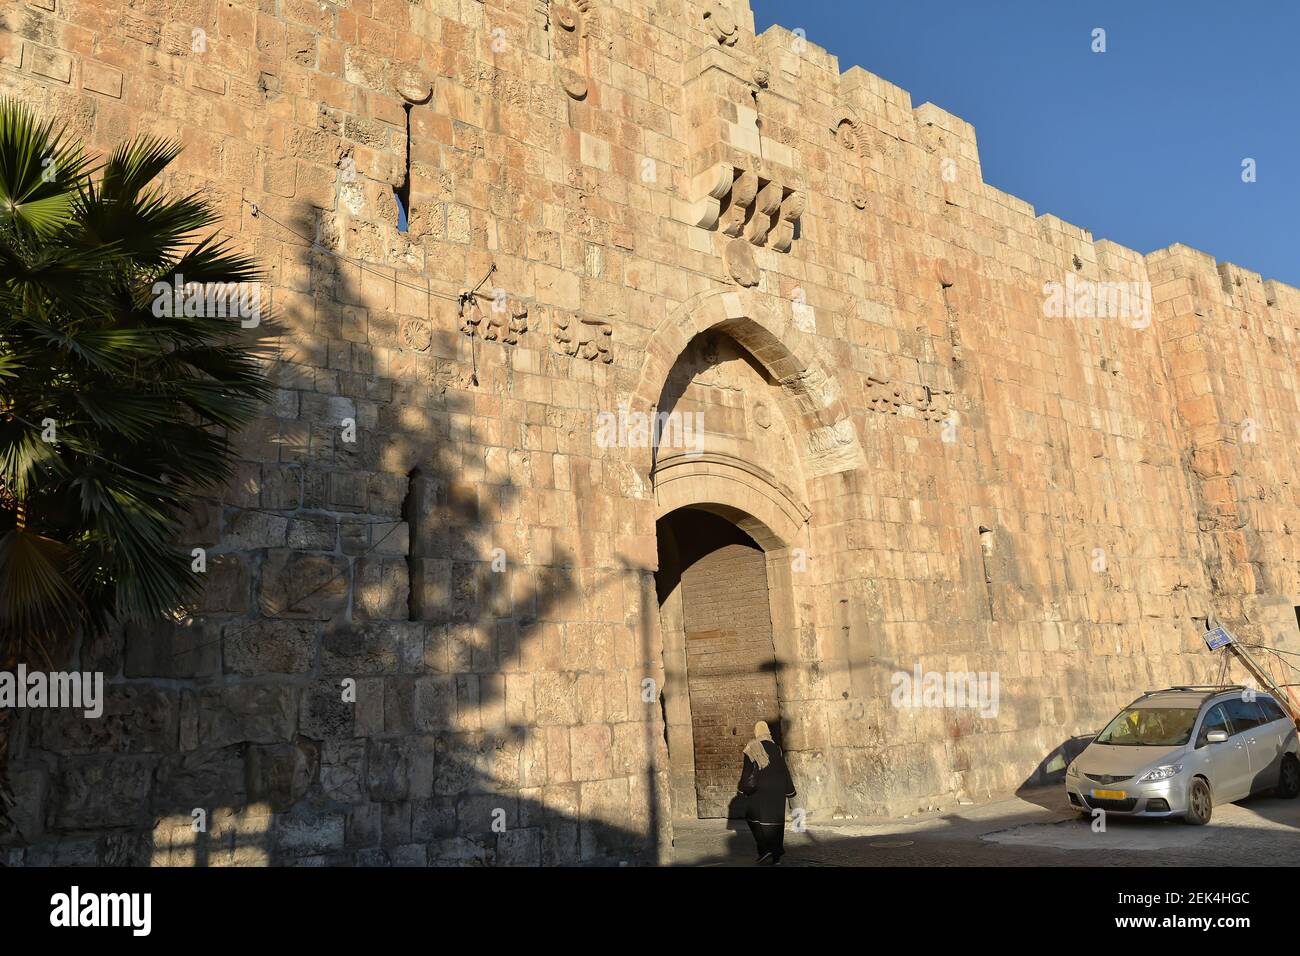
(1035, 828)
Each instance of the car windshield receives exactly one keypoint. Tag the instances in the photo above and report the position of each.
(1149, 727)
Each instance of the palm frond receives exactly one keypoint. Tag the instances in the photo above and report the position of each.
(39, 172)
(143, 400)
(36, 593)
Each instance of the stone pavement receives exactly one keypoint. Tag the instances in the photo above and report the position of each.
(1034, 828)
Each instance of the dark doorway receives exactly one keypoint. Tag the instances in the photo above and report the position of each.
(720, 577)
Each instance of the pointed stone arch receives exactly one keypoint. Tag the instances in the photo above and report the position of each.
(765, 327)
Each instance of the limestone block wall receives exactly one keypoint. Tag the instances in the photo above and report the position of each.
(440, 643)
(1230, 345)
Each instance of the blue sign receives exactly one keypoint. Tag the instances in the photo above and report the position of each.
(1217, 638)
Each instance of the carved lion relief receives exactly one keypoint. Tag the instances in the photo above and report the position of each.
(506, 320)
(582, 336)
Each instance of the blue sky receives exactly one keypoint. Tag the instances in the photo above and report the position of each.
(1142, 144)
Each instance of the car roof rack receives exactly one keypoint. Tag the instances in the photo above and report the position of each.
(1196, 688)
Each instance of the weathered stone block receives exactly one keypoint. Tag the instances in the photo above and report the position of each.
(324, 713)
(313, 533)
(269, 647)
(279, 775)
(433, 819)
(190, 648)
(400, 769)
(385, 648)
(304, 585)
(30, 792)
(590, 752)
(435, 704)
(97, 792)
(201, 779)
(256, 713)
(43, 61)
(363, 826)
(136, 719)
(396, 823)
(342, 774)
(381, 591)
(250, 530)
(227, 590)
(306, 833)
(520, 847)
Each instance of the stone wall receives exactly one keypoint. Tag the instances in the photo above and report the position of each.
(441, 642)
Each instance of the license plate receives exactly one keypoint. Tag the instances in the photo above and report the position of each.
(1110, 794)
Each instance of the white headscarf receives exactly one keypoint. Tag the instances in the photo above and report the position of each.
(755, 750)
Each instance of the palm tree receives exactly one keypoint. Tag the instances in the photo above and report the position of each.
(121, 383)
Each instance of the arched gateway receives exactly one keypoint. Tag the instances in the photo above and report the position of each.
(745, 416)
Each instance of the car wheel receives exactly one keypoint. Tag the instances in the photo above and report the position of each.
(1199, 803)
(1289, 777)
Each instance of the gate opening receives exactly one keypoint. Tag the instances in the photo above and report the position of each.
(716, 616)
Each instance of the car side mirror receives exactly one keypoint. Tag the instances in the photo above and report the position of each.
(1216, 737)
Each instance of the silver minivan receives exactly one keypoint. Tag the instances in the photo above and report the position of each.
(1178, 752)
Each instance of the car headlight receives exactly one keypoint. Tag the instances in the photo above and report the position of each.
(1161, 773)
(1073, 769)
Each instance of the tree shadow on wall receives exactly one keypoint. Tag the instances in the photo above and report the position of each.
(324, 724)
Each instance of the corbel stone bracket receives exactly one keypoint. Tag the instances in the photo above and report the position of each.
(741, 203)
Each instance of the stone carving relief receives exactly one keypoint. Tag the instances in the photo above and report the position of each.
(503, 320)
(414, 334)
(848, 133)
(566, 18)
(811, 388)
(740, 203)
(574, 83)
(707, 368)
(572, 22)
(831, 438)
(412, 85)
(437, 373)
(928, 404)
(859, 138)
(741, 263)
(575, 29)
(721, 22)
(582, 336)
(851, 135)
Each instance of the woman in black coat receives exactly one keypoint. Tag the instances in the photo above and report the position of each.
(765, 780)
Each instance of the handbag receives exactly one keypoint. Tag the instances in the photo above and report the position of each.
(749, 784)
